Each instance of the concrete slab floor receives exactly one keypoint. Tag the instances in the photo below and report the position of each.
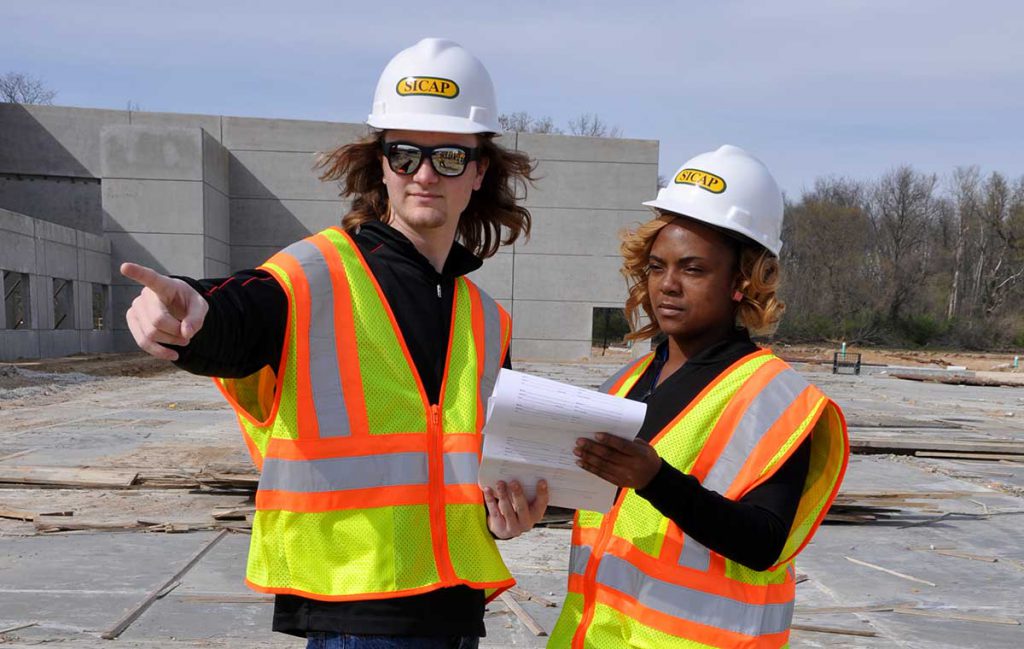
(76, 585)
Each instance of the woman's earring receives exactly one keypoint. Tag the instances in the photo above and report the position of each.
(737, 296)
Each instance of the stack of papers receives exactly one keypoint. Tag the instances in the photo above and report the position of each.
(531, 431)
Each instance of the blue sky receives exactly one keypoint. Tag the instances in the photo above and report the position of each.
(843, 87)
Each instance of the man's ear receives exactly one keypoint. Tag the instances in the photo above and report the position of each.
(481, 168)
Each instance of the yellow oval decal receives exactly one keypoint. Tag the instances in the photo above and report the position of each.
(703, 179)
(433, 86)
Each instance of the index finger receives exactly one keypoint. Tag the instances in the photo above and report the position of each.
(154, 281)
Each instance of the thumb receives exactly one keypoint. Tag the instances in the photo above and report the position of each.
(162, 285)
(540, 501)
(194, 317)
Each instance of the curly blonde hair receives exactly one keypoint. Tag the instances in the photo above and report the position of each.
(493, 210)
(760, 310)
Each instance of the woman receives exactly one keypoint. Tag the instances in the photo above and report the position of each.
(738, 458)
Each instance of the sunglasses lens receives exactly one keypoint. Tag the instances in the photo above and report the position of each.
(449, 161)
(403, 158)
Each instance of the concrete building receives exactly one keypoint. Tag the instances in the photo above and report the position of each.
(83, 190)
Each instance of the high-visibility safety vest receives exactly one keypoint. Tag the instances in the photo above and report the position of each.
(367, 490)
(637, 580)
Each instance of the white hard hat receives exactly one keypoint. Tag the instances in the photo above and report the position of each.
(730, 189)
(435, 85)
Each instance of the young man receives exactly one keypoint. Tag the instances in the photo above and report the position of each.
(359, 362)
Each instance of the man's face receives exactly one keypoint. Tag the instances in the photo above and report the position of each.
(691, 278)
(425, 203)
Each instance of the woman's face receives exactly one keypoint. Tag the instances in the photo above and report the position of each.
(691, 280)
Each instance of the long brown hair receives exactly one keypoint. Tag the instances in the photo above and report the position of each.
(758, 312)
(492, 208)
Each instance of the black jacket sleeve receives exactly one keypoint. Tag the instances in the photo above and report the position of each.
(244, 329)
(751, 531)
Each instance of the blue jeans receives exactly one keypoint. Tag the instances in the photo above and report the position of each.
(319, 640)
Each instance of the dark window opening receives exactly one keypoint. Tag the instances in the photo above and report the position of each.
(63, 304)
(16, 300)
(100, 296)
(609, 328)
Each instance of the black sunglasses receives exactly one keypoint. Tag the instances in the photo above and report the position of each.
(448, 160)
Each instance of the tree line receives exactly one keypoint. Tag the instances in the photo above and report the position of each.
(908, 258)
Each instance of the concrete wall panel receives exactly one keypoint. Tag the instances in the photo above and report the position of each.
(606, 185)
(250, 256)
(97, 342)
(568, 279)
(18, 344)
(524, 350)
(59, 343)
(543, 320)
(56, 259)
(216, 214)
(587, 149)
(280, 175)
(495, 276)
(209, 123)
(155, 206)
(53, 140)
(72, 202)
(17, 252)
(258, 222)
(173, 254)
(255, 134)
(217, 251)
(93, 266)
(579, 231)
(152, 152)
(215, 163)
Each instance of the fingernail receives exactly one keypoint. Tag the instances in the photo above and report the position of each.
(542, 485)
(601, 437)
(580, 442)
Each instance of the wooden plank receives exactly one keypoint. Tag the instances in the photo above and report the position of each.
(912, 443)
(891, 572)
(832, 629)
(4, 458)
(523, 616)
(141, 607)
(967, 555)
(19, 627)
(60, 476)
(970, 456)
(956, 615)
(527, 595)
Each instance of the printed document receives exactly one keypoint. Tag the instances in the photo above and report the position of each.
(532, 427)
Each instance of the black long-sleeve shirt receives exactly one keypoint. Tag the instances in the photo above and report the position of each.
(245, 330)
(752, 530)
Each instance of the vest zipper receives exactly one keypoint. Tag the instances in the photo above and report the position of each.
(438, 518)
(439, 291)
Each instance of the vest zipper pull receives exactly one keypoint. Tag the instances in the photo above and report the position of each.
(438, 290)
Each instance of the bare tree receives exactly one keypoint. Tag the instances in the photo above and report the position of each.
(17, 88)
(591, 125)
(523, 122)
(904, 210)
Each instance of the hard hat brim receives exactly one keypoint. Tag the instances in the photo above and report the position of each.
(438, 123)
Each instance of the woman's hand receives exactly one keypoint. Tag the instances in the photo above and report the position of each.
(508, 513)
(621, 462)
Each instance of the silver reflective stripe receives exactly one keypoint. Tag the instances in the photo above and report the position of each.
(579, 557)
(694, 555)
(461, 468)
(694, 605)
(492, 346)
(607, 385)
(769, 404)
(344, 473)
(328, 397)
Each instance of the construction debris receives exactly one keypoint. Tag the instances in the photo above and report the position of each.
(891, 572)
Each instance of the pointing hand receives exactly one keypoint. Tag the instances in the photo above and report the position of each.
(168, 311)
